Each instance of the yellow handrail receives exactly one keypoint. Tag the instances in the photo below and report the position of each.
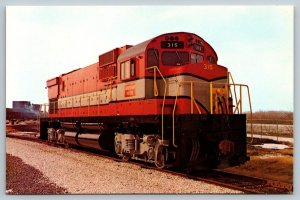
(227, 95)
(210, 98)
(249, 99)
(193, 101)
(192, 97)
(155, 88)
(196, 104)
(241, 105)
(173, 115)
(231, 78)
(237, 107)
(156, 94)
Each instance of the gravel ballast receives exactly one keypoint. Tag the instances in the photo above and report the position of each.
(24, 179)
(77, 172)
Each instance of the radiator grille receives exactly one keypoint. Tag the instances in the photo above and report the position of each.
(108, 58)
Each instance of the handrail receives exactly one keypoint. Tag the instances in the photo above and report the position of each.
(249, 98)
(239, 105)
(192, 97)
(156, 94)
(210, 98)
(196, 104)
(193, 101)
(231, 78)
(173, 115)
(155, 88)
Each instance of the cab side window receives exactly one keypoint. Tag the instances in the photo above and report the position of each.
(211, 60)
(127, 69)
(132, 68)
(152, 58)
(196, 58)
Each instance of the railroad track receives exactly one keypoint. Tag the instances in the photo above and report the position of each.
(249, 185)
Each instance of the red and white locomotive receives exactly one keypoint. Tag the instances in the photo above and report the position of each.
(164, 101)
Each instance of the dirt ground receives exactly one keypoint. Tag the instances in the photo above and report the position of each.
(23, 126)
(274, 164)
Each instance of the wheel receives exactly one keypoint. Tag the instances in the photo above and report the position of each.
(126, 156)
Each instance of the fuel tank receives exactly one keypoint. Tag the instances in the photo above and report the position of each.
(87, 140)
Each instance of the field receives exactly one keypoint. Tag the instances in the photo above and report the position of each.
(274, 123)
(274, 129)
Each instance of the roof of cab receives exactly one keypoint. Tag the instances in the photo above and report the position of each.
(134, 51)
(141, 47)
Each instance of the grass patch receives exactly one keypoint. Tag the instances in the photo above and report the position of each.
(278, 168)
(257, 151)
(273, 164)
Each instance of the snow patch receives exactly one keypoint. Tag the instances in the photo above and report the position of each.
(272, 146)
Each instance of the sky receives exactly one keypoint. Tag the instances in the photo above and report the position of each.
(254, 42)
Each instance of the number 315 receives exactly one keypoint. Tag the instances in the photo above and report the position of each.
(208, 67)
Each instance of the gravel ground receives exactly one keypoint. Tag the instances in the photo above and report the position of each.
(82, 173)
(24, 179)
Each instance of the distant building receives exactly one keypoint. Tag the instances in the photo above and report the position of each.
(36, 107)
(21, 106)
(22, 110)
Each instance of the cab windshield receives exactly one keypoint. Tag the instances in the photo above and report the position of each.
(175, 58)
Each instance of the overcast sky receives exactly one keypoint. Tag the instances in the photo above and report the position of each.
(254, 42)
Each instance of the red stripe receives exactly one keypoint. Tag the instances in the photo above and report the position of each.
(130, 108)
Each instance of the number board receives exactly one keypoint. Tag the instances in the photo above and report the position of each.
(172, 44)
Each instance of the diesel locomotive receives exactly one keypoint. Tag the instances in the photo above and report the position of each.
(164, 101)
